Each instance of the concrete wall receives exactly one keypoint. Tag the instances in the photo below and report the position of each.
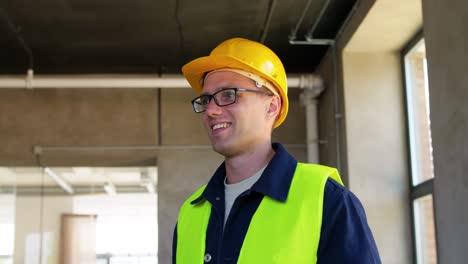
(28, 226)
(446, 36)
(376, 150)
(76, 117)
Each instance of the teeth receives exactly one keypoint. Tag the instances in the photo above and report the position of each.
(218, 126)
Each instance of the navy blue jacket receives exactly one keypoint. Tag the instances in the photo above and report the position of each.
(345, 236)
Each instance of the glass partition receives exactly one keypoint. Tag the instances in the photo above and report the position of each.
(59, 215)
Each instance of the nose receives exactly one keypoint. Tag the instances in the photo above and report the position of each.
(213, 109)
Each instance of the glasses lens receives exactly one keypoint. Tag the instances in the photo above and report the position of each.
(225, 97)
(201, 103)
(221, 98)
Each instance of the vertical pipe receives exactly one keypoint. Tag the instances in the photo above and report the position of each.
(338, 115)
(312, 89)
(312, 132)
(159, 117)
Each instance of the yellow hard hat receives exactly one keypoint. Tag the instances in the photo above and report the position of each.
(244, 54)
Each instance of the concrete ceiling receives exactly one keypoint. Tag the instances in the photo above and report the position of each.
(143, 36)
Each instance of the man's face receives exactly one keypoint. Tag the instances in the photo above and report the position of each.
(239, 127)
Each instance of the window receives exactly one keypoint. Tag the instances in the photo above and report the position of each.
(420, 149)
(423, 214)
(126, 230)
(7, 216)
(43, 209)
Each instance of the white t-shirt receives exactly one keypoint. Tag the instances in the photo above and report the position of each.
(232, 191)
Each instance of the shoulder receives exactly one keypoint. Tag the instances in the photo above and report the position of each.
(338, 197)
(335, 191)
(345, 234)
(339, 201)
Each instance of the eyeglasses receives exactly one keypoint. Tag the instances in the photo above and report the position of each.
(224, 97)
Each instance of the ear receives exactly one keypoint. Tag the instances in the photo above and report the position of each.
(274, 107)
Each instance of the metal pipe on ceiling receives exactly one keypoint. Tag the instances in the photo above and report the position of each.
(93, 81)
(310, 33)
(293, 34)
(266, 27)
(313, 42)
(16, 30)
(310, 40)
(122, 81)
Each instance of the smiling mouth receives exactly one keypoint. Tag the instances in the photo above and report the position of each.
(219, 126)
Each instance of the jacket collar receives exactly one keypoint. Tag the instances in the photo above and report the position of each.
(275, 180)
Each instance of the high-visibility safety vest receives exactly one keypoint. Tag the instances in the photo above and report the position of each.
(279, 232)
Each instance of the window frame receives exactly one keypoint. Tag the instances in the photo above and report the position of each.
(425, 187)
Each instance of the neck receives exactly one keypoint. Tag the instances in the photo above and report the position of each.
(246, 164)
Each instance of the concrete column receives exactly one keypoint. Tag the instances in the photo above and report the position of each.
(180, 174)
(446, 36)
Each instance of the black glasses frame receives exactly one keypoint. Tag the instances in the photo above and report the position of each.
(213, 96)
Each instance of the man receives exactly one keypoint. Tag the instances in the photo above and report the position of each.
(261, 205)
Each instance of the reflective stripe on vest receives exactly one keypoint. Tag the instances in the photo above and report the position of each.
(279, 232)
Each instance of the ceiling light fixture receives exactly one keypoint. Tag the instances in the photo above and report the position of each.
(147, 181)
(149, 186)
(110, 188)
(59, 180)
